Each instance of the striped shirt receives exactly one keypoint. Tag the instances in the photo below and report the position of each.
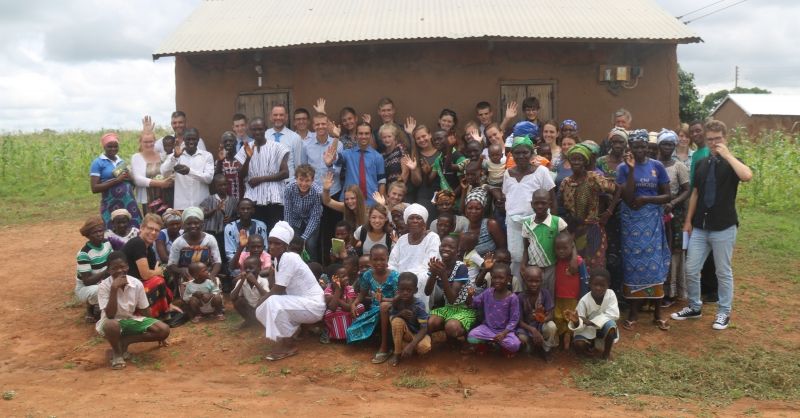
(302, 209)
(92, 259)
(266, 161)
(216, 221)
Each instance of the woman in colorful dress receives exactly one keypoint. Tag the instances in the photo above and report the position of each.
(193, 245)
(109, 176)
(608, 164)
(393, 153)
(645, 250)
(449, 275)
(580, 199)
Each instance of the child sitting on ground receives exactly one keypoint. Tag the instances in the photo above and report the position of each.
(350, 264)
(250, 287)
(536, 327)
(202, 294)
(570, 274)
(409, 321)
(344, 232)
(594, 320)
(539, 236)
(339, 296)
(124, 311)
(501, 314)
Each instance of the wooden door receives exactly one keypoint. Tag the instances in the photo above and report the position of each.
(258, 105)
(518, 91)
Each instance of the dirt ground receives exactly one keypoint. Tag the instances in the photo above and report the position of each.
(57, 366)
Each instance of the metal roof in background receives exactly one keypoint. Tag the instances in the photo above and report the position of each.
(226, 25)
(765, 104)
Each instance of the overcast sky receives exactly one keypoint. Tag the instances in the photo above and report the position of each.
(86, 64)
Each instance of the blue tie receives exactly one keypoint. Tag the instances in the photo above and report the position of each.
(711, 183)
(278, 136)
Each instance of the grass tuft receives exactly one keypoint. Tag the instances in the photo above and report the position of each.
(413, 380)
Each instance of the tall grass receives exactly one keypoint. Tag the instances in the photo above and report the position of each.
(46, 174)
(774, 158)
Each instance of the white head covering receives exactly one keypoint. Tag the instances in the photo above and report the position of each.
(415, 209)
(282, 231)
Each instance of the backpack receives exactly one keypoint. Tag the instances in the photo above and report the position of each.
(362, 236)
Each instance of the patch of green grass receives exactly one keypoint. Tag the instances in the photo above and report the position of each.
(263, 393)
(251, 360)
(771, 239)
(717, 377)
(413, 380)
(70, 365)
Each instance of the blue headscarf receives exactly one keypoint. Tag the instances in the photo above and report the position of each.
(639, 135)
(667, 136)
(571, 123)
(526, 128)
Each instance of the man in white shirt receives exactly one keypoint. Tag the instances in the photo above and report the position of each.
(286, 137)
(301, 123)
(178, 123)
(193, 168)
(240, 129)
(265, 168)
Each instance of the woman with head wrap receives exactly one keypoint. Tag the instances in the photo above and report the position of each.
(519, 183)
(608, 164)
(618, 143)
(193, 245)
(580, 200)
(294, 299)
(675, 214)
(109, 176)
(142, 264)
(569, 128)
(446, 203)
(121, 230)
(645, 249)
(413, 250)
(489, 232)
(173, 228)
(92, 265)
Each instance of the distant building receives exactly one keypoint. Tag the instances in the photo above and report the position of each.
(583, 59)
(760, 112)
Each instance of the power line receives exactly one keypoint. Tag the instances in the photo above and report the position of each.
(713, 12)
(702, 8)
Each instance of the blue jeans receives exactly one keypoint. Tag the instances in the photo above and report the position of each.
(701, 242)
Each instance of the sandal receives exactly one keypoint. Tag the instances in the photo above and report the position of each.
(117, 363)
(280, 356)
(628, 324)
(221, 317)
(381, 357)
(662, 324)
(196, 319)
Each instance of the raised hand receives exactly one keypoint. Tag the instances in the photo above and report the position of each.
(629, 160)
(147, 124)
(410, 163)
(327, 182)
(488, 261)
(242, 238)
(330, 156)
(320, 106)
(334, 129)
(378, 198)
(394, 237)
(248, 150)
(221, 153)
(410, 124)
(366, 117)
(178, 150)
(511, 110)
(475, 134)
(426, 166)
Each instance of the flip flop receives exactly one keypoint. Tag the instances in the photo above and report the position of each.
(381, 357)
(280, 356)
(117, 363)
(628, 324)
(662, 324)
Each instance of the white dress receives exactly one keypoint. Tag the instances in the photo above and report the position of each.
(414, 258)
(303, 303)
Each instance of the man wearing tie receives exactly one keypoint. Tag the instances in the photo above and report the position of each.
(712, 223)
(363, 165)
(288, 138)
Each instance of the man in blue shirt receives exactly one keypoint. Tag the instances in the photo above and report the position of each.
(363, 166)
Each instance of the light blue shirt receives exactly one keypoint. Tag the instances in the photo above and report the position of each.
(313, 154)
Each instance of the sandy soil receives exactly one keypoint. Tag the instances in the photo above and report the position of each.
(57, 365)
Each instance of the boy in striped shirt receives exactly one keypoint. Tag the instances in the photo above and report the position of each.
(539, 236)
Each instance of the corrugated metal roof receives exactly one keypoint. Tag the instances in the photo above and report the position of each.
(765, 104)
(222, 25)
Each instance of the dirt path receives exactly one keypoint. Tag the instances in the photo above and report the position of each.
(57, 365)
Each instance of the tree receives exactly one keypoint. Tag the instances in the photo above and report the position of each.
(712, 100)
(690, 107)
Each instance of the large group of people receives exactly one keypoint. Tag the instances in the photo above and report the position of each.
(518, 235)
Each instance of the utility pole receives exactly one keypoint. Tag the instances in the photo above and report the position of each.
(736, 80)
